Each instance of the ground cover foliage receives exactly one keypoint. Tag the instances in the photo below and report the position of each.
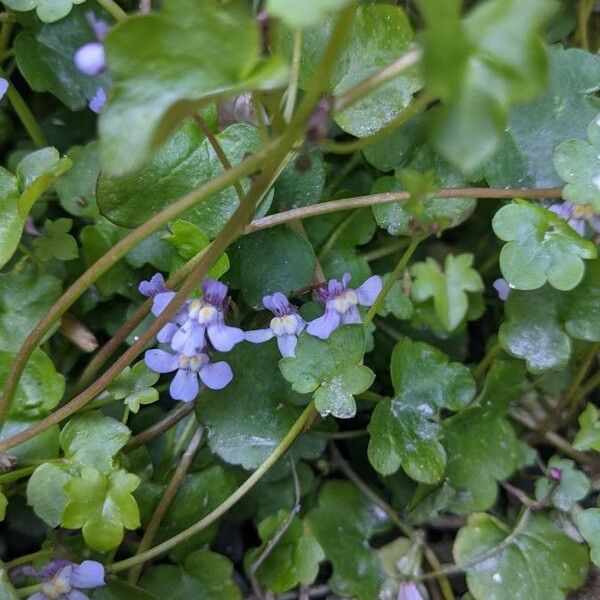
(299, 299)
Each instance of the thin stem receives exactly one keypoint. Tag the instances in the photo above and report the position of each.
(112, 8)
(165, 501)
(335, 235)
(391, 280)
(184, 436)
(292, 90)
(416, 107)
(16, 475)
(145, 437)
(386, 250)
(25, 115)
(584, 11)
(26, 558)
(578, 390)
(324, 208)
(481, 369)
(302, 423)
(375, 81)
(408, 531)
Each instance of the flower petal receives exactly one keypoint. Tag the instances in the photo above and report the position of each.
(76, 595)
(502, 288)
(216, 375)
(409, 591)
(258, 336)
(165, 335)
(287, 344)
(323, 326)
(578, 225)
(90, 59)
(189, 339)
(97, 101)
(223, 337)
(278, 304)
(562, 209)
(594, 222)
(185, 385)
(350, 316)
(160, 361)
(3, 87)
(88, 574)
(214, 292)
(38, 596)
(367, 293)
(161, 302)
(155, 285)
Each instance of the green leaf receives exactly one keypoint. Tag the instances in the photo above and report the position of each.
(115, 589)
(57, 243)
(539, 564)
(11, 224)
(331, 369)
(403, 430)
(93, 440)
(102, 506)
(573, 485)
(301, 183)
(479, 68)
(44, 445)
(3, 505)
(185, 161)
(205, 575)
(47, 10)
(588, 522)
(577, 163)
(274, 260)
(541, 247)
(25, 297)
(295, 559)
(248, 418)
(45, 492)
(40, 387)
(396, 302)
(400, 218)
(481, 445)
(188, 239)
(588, 436)
(447, 288)
(223, 46)
(134, 386)
(343, 523)
(310, 13)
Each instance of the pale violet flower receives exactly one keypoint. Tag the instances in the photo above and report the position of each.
(190, 370)
(577, 215)
(502, 288)
(3, 87)
(90, 59)
(62, 580)
(286, 325)
(341, 304)
(98, 101)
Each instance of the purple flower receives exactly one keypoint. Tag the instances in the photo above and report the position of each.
(98, 101)
(90, 60)
(341, 304)
(555, 474)
(502, 288)
(3, 87)
(63, 580)
(286, 325)
(409, 591)
(206, 317)
(185, 385)
(577, 215)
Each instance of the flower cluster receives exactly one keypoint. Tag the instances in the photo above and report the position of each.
(199, 327)
(62, 580)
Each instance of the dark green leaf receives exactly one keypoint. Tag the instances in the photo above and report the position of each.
(57, 243)
(11, 224)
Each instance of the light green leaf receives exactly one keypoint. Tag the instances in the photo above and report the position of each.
(204, 575)
(396, 302)
(307, 14)
(102, 506)
(588, 522)
(343, 523)
(40, 387)
(295, 559)
(134, 386)
(447, 288)
(45, 492)
(588, 436)
(223, 46)
(573, 485)
(57, 243)
(541, 247)
(47, 10)
(541, 563)
(577, 163)
(93, 440)
(331, 369)
(11, 224)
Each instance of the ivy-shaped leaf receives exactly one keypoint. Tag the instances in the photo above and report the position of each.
(102, 506)
(331, 369)
(588, 522)
(541, 248)
(134, 386)
(47, 10)
(540, 563)
(404, 431)
(92, 440)
(468, 66)
(572, 487)
(343, 523)
(223, 46)
(295, 559)
(588, 436)
(57, 243)
(578, 164)
(45, 491)
(447, 288)
(204, 575)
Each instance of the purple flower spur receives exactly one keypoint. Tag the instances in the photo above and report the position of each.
(341, 304)
(286, 325)
(62, 580)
